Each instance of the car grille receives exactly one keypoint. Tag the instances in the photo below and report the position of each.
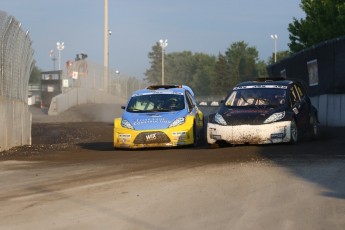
(151, 138)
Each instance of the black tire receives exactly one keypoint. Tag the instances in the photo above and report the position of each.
(214, 146)
(219, 144)
(293, 132)
(195, 136)
(202, 132)
(314, 128)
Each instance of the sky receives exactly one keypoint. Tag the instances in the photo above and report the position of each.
(199, 26)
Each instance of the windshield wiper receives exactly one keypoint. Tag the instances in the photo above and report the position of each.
(134, 110)
(158, 110)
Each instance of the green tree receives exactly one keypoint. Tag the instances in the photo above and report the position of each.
(179, 67)
(221, 82)
(154, 73)
(203, 74)
(325, 19)
(207, 74)
(35, 76)
(262, 69)
(242, 61)
(280, 55)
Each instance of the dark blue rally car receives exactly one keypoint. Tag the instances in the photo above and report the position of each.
(264, 111)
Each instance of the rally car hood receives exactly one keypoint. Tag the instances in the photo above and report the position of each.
(153, 120)
(247, 115)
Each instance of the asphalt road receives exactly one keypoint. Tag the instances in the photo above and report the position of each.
(72, 178)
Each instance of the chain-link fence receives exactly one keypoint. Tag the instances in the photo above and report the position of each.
(16, 63)
(16, 58)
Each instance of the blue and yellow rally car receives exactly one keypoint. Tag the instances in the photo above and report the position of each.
(159, 116)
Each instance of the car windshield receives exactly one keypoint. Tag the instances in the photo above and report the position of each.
(257, 97)
(156, 102)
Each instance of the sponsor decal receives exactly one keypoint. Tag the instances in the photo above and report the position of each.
(277, 135)
(158, 92)
(261, 111)
(261, 86)
(216, 137)
(179, 133)
(151, 120)
(125, 136)
(151, 137)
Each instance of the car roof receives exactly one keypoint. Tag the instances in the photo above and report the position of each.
(165, 89)
(266, 82)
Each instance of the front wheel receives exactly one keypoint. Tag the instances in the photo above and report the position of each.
(195, 136)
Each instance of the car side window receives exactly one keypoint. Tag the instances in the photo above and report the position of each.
(189, 101)
(294, 97)
(299, 91)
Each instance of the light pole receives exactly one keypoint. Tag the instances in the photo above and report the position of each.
(52, 57)
(106, 48)
(275, 38)
(163, 44)
(60, 47)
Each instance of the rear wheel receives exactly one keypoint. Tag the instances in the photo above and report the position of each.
(293, 132)
(314, 127)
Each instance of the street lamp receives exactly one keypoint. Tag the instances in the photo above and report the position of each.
(275, 38)
(163, 44)
(106, 47)
(60, 47)
(52, 57)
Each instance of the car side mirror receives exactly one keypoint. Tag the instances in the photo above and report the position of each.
(295, 110)
(123, 107)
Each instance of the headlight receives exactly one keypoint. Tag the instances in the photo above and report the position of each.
(219, 119)
(178, 121)
(275, 117)
(126, 124)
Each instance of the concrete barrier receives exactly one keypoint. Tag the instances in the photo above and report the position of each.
(77, 96)
(331, 108)
(15, 122)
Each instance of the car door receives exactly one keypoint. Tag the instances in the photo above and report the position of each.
(193, 109)
(299, 106)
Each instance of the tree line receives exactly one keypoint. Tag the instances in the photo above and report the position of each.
(206, 74)
(216, 75)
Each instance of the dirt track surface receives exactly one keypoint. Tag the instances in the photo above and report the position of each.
(72, 178)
